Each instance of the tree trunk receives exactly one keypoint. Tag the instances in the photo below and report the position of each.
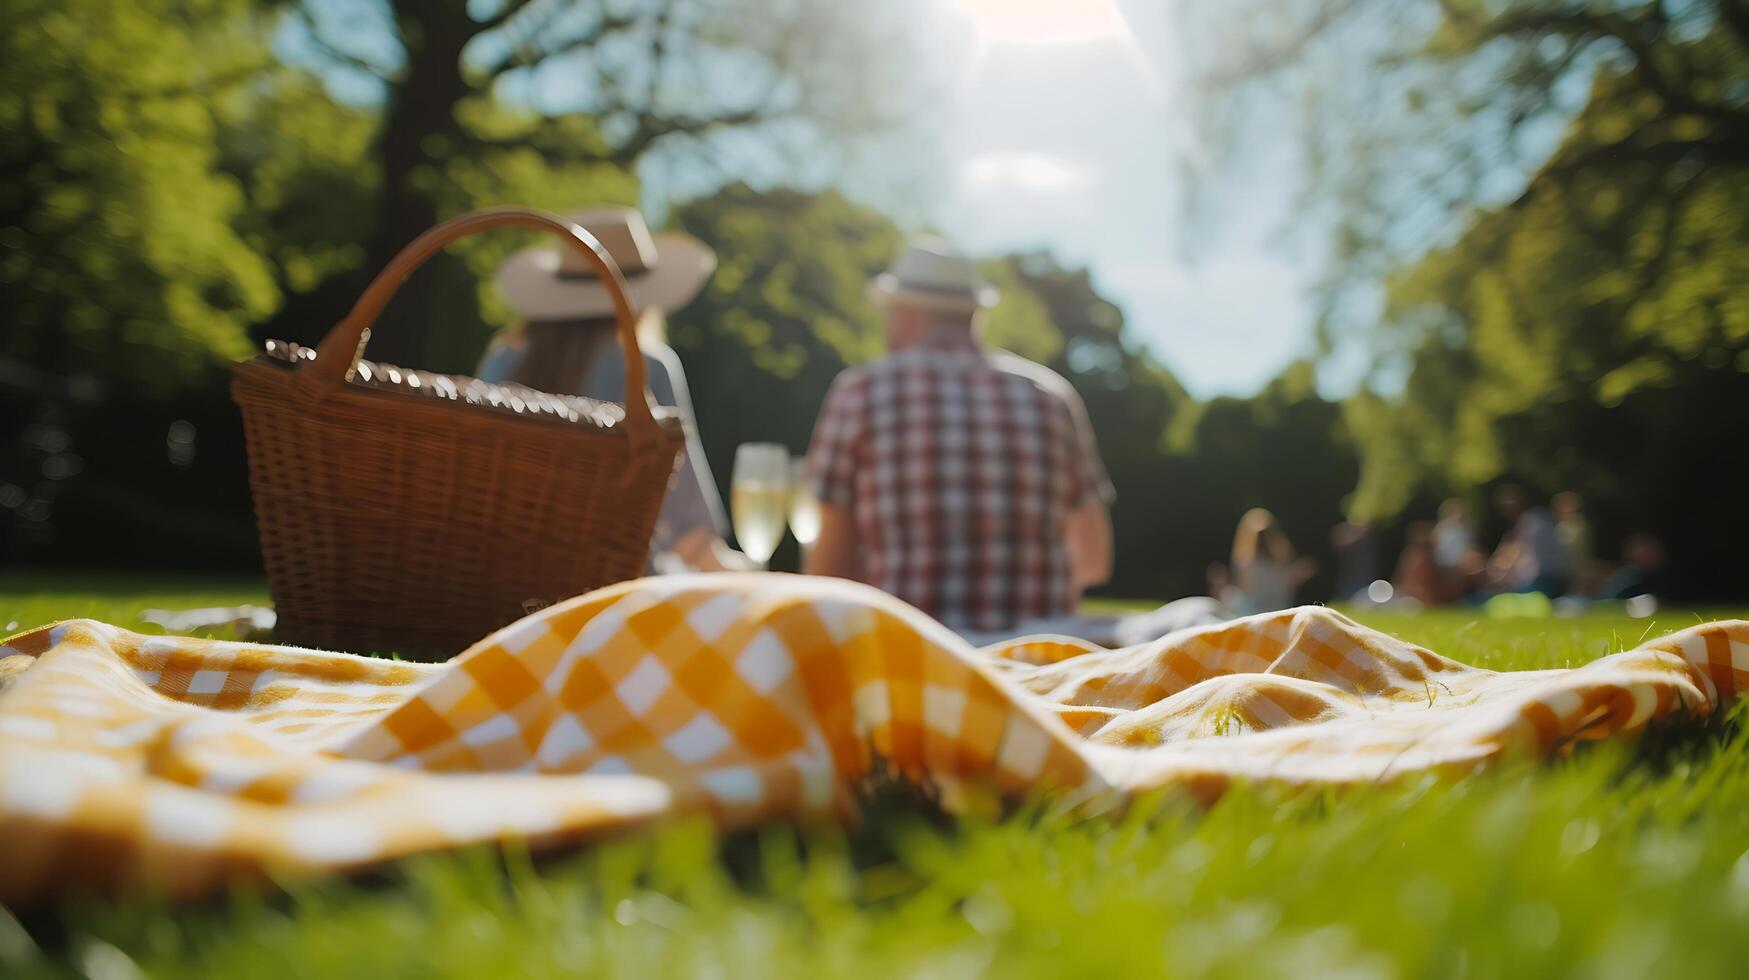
(419, 133)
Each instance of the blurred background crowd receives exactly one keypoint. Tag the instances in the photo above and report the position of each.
(1511, 350)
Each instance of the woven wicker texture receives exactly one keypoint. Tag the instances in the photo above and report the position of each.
(411, 512)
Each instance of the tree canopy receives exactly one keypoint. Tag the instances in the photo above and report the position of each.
(784, 313)
(119, 245)
(1537, 225)
(475, 100)
(1540, 229)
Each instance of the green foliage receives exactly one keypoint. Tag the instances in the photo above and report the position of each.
(509, 156)
(1549, 197)
(785, 312)
(1020, 322)
(1053, 314)
(169, 193)
(459, 86)
(1286, 449)
(118, 247)
(305, 163)
(310, 166)
(1587, 335)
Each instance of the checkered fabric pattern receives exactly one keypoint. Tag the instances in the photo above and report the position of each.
(959, 468)
(179, 765)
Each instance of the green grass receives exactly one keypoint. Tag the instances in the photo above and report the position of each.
(33, 598)
(1627, 860)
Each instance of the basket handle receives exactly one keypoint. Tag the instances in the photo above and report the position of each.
(340, 350)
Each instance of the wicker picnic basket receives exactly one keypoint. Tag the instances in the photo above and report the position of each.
(414, 512)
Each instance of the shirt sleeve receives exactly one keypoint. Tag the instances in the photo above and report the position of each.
(503, 358)
(1092, 482)
(1088, 482)
(836, 448)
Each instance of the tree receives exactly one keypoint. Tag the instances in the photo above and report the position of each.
(1590, 335)
(251, 213)
(1416, 114)
(120, 254)
(1286, 449)
(785, 312)
(1545, 200)
(643, 75)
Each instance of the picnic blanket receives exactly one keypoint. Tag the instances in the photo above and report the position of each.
(179, 765)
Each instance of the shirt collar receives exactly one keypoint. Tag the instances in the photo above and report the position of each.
(947, 338)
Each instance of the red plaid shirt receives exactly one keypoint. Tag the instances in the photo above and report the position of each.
(960, 467)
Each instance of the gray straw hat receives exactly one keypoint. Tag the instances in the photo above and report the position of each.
(932, 273)
(664, 270)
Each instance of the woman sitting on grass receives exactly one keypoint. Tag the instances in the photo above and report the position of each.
(1266, 572)
(566, 344)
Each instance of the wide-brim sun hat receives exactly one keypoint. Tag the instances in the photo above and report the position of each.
(664, 270)
(933, 274)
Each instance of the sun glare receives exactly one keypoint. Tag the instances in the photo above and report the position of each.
(1023, 171)
(1045, 21)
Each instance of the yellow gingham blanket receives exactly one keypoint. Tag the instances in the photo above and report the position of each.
(180, 764)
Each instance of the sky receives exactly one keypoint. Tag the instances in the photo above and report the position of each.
(1067, 129)
(1062, 125)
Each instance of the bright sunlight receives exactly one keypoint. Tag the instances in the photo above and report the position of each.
(1045, 21)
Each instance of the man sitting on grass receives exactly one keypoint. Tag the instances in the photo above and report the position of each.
(961, 479)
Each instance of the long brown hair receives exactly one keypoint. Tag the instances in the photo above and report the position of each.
(556, 353)
(1258, 533)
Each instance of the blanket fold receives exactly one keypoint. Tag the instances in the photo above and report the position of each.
(183, 764)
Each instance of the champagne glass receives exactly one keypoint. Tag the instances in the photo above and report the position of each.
(804, 510)
(759, 498)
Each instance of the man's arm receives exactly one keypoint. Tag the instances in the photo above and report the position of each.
(1088, 540)
(834, 551)
(1087, 532)
(833, 455)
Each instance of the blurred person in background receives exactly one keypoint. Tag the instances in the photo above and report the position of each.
(1573, 532)
(962, 479)
(567, 343)
(1418, 576)
(1530, 557)
(1454, 537)
(1462, 565)
(1357, 559)
(1641, 571)
(1265, 572)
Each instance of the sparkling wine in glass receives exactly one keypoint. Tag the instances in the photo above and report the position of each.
(759, 498)
(804, 510)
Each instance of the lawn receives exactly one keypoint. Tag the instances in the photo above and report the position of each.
(1627, 860)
